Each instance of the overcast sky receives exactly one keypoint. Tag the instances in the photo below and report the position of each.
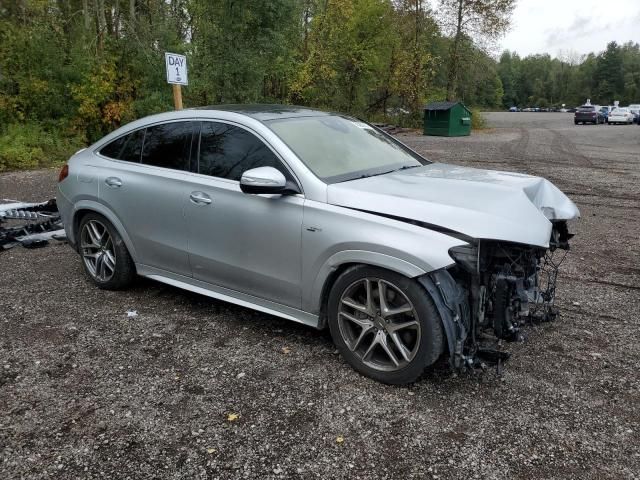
(582, 26)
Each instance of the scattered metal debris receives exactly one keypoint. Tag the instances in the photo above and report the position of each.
(391, 129)
(31, 225)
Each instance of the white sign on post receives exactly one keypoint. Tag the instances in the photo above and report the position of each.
(176, 68)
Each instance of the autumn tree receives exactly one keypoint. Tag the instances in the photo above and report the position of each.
(73, 70)
(468, 20)
(349, 47)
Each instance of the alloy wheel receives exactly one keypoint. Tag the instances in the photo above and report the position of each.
(97, 250)
(379, 324)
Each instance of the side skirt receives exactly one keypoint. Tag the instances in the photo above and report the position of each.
(228, 295)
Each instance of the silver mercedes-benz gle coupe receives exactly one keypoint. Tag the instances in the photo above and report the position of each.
(322, 219)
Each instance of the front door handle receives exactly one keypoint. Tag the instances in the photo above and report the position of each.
(113, 182)
(200, 198)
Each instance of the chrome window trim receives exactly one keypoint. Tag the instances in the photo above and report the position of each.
(200, 120)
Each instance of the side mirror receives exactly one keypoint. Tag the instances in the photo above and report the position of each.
(266, 180)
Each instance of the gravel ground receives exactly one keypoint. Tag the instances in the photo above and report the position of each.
(196, 388)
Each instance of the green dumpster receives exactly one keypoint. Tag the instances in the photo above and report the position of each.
(447, 119)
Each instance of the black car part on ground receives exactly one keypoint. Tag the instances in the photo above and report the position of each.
(29, 224)
(494, 288)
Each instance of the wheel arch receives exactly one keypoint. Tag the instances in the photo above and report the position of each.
(85, 207)
(449, 298)
(340, 262)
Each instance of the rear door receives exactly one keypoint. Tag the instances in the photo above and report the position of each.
(247, 243)
(146, 187)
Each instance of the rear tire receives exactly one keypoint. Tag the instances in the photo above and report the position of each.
(393, 340)
(105, 257)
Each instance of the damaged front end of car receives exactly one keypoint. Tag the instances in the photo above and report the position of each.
(492, 290)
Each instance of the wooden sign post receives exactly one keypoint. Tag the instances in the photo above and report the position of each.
(177, 96)
(176, 75)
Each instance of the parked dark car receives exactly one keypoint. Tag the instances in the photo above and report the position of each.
(605, 112)
(588, 114)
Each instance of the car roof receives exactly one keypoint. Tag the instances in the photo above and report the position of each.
(265, 112)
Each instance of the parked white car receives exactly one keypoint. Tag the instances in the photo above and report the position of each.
(621, 115)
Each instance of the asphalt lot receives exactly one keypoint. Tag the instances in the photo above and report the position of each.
(88, 392)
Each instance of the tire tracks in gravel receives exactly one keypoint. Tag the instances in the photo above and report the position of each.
(565, 155)
(565, 150)
(516, 150)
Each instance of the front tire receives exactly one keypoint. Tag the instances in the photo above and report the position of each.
(385, 325)
(105, 257)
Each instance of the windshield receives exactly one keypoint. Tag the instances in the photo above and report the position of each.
(621, 110)
(587, 109)
(337, 149)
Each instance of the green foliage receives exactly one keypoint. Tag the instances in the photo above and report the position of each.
(466, 21)
(242, 51)
(73, 70)
(29, 145)
(478, 122)
(539, 80)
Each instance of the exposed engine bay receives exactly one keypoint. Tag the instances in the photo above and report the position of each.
(493, 290)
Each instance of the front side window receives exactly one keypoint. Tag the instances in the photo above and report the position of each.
(127, 147)
(226, 151)
(338, 148)
(169, 145)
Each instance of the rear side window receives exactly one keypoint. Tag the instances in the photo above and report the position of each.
(226, 151)
(169, 145)
(127, 147)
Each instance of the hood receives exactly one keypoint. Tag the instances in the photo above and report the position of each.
(483, 204)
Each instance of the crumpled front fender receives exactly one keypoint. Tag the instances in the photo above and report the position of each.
(451, 302)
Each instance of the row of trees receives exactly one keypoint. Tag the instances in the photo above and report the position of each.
(76, 69)
(72, 70)
(539, 80)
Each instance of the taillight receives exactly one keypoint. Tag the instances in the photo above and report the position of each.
(64, 173)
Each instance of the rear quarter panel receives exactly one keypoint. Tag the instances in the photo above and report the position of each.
(81, 191)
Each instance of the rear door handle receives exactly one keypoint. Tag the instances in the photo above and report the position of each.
(200, 198)
(114, 182)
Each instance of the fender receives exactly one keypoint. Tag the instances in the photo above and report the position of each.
(358, 256)
(109, 215)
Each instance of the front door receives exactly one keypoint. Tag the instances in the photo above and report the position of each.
(247, 243)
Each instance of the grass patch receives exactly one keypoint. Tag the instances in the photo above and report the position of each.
(30, 145)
